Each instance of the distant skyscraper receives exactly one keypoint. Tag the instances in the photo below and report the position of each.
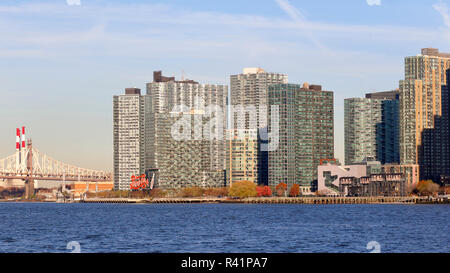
(199, 160)
(250, 89)
(306, 134)
(129, 137)
(372, 127)
(420, 99)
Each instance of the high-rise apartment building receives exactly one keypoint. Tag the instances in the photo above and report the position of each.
(249, 91)
(434, 153)
(306, 134)
(420, 99)
(372, 128)
(129, 137)
(186, 129)
(361, 116)
(242, 156)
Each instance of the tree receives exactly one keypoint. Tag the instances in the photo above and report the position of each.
(447, 190)
(281, 189)
(295, 190)
(217, 192)
(157, 193)
(426, 188)
(192, 192)
(264, 191)
(243, 189)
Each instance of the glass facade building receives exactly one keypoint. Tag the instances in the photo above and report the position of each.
(306, 134)
(372, 128)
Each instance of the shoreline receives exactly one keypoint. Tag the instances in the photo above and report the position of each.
(253, 200)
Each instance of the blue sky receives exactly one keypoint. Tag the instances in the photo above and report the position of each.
(61, 64)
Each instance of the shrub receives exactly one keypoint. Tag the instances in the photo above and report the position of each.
(192, 192)
(243, 189)
(295, 190)
(322, 192)
(447, 190)
(427, 187)
(216, 192)
(157, 193)
(11, 192)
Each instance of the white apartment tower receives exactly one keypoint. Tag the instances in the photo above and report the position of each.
(251, 88)
(129, 137)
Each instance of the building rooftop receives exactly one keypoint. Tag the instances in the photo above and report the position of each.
(434, 52)
(132, 91)
(386, 95)
(314, 87)
(158, 77)
(253, 70)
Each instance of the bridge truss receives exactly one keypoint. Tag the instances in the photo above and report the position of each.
(43, 167)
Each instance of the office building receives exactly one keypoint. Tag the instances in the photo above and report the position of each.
(369, 178)
(420, 99)
(306, 134)
(129, 136)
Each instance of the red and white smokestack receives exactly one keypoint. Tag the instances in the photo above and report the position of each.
(23, 137)
(17, 148)
(17, 139)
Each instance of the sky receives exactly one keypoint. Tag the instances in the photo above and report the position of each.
(62, 61)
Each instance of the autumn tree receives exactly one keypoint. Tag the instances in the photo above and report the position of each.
(157, 193)
(295, 190)
(216, 192)
(243, 189)
(264, 191)
(447, 190)
(192, 192)
(427, 187)
(281, 189)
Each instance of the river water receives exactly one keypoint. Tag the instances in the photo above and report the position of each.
(274, 228)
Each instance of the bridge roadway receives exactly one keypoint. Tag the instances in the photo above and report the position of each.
(56, 178)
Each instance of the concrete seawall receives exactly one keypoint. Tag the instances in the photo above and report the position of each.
(279, 200)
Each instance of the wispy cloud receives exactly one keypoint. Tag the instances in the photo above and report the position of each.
(442, 9)
(73, 2)
(373, 2)
(97, 30)
(300, 21)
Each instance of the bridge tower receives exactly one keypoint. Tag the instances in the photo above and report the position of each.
(29, 181)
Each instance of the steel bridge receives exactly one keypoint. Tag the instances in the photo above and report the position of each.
(29, 164)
